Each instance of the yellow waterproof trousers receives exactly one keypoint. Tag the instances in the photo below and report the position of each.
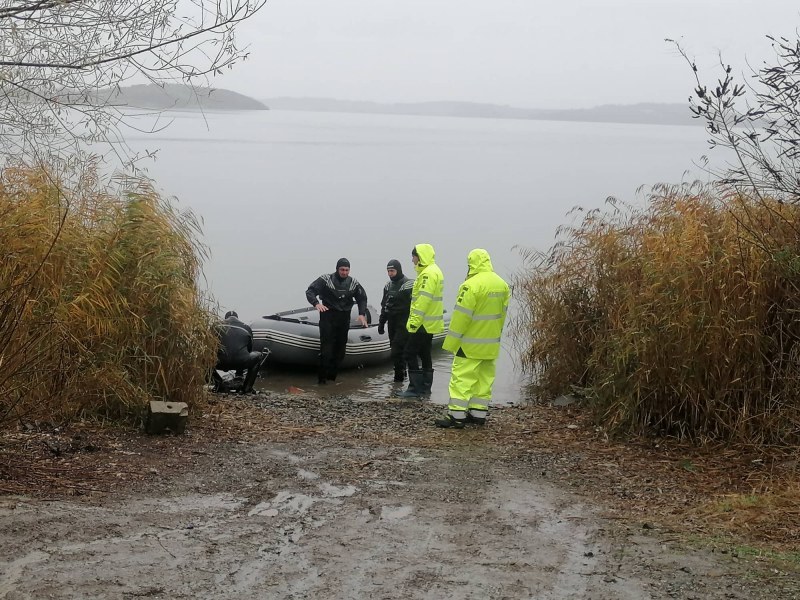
(471, 387)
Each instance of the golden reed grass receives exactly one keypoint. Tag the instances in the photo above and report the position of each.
(679, 317)
(100, 309)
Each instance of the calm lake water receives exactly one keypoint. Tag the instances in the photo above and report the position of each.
(284, 194)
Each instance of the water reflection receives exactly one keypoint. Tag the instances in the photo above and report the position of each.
(371, 384)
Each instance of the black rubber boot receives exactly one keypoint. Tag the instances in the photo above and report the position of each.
(219, 383)
(476, 420)
(399, 375)
(427, 381)
(415, 384)
(250, 380)
(449, 421)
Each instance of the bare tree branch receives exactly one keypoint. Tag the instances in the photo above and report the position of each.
(759, 122)
(63, 61)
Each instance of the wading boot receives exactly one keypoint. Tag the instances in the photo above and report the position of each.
(399, 375)
(449, 421)
(218, 381)
(250, 380)
(427, 381)
(415, 384)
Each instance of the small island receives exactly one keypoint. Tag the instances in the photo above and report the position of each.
(178, 97)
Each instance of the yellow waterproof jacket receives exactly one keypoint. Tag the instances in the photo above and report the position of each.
(480, 311)
(427, 307)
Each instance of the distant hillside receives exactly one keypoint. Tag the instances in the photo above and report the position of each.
(179, 97)
(661, 114)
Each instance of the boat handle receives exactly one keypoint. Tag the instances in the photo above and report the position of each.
(365, 338)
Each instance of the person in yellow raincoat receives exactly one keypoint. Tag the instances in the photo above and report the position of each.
(474, 338)
(425, 318)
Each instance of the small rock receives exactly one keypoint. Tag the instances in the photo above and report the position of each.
(565, 400)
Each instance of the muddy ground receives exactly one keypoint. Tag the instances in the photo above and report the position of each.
(319, 494)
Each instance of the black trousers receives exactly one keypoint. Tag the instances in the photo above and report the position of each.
(418, 350)
(398, 338)
(245, 361)
(249, 361)
(334, 326)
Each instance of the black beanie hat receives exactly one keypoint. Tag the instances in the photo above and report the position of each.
(395, 264)
(342, 262)
(414, 251)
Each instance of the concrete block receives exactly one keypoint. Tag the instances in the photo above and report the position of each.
(166, 415)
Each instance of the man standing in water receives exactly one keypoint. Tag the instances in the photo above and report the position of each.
(333, 295)
(474, 339)
(425, 318)
(395, 306)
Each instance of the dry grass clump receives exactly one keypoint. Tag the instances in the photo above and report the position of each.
(679, 317)
(99, 305)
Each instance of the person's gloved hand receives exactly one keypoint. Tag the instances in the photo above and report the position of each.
(381, 328)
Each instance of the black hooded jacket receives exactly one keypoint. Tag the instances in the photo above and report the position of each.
(396, 301)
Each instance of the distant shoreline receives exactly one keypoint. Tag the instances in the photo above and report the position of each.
(182, 98)
(642, 113)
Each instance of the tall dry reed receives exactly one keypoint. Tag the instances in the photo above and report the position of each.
(679, 317)
(100, 309)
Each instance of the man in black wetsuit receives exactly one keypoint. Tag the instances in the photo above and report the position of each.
(395, 306)
(236, 352)
(333, 295)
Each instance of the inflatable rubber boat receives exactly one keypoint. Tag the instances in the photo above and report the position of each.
(292, 338)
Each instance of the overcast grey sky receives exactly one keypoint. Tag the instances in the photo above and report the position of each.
(527, 53)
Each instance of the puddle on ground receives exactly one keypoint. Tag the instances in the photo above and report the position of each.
(395, 513)
(194, 502)
(331, 491)
(307, 475)
(412, 457)
(287, 502)
(292, 458)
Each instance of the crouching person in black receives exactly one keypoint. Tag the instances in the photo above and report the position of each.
(236, 352)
